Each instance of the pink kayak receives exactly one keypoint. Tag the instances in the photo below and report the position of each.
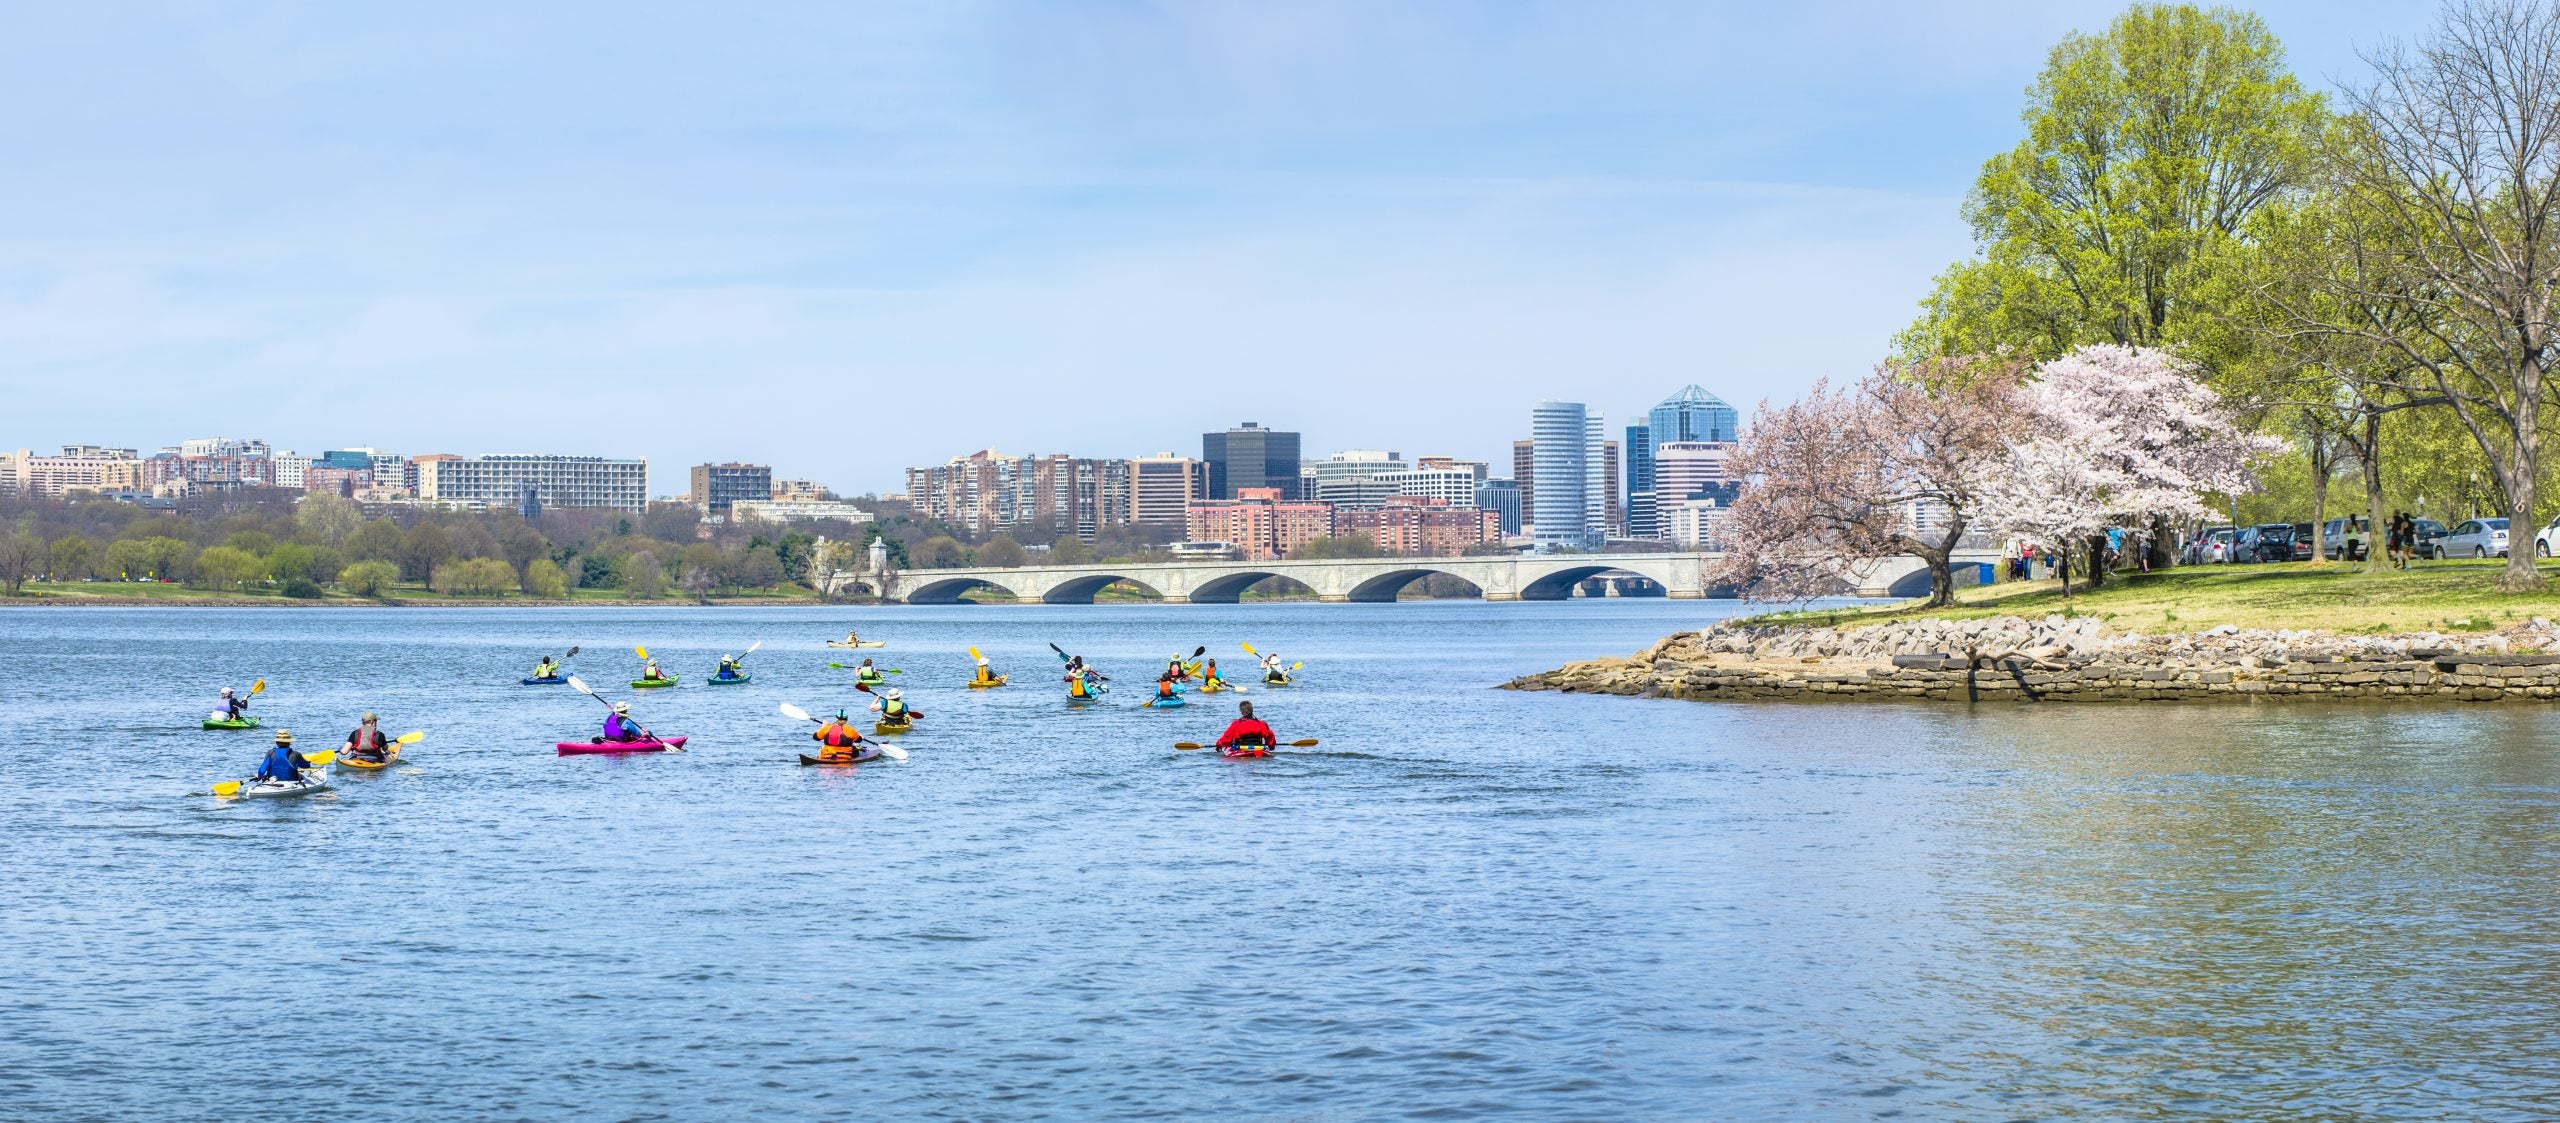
(574, 748)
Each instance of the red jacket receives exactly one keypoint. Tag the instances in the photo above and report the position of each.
(1247, 727)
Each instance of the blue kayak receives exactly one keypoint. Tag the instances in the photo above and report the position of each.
(545, 681)
(1165, 701)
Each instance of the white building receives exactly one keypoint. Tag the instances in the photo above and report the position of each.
(1687, 469)
(290, 470)
(556, 481)
(804, 510)
(1694, 523)
(1457, 488)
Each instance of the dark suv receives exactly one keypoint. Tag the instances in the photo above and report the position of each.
(2267, 542)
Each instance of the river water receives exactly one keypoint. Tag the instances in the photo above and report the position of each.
(1465, 902)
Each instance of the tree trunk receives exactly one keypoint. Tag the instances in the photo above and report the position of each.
(2324, 457)
(2520, 575)
(2371, 455)
(2062, 568)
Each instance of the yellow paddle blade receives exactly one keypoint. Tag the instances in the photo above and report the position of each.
(1298, 664)
(644, 652)
(227, 787)
(257, 686)
(1186, 745)
(973, 652)
(319, 759)
(1308, 743)
(412, 737)
(1248, 649)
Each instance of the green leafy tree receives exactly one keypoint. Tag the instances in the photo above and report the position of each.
(2145, 145)
(1003, 552)
(323, 519)
(227, 568)
(475, 577)
(1070, 550)
(424, 548)
(257, 542)
(1353, 545)
(290, 561)
(368, 578)
(376, 540)
(643, 576)
(74, 558)
(758, 568)
(544, 580)
(941, 552)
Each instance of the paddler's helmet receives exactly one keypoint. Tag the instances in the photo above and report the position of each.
(728, 658)
(226, 692)
(622, 707)
(982, 660)
(895, 693)
(284, 736)
(842, 716)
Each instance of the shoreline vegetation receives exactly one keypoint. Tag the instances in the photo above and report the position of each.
(2297, 631)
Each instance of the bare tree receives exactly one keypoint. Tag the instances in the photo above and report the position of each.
(2454, 152)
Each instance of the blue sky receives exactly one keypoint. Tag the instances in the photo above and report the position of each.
(842, 239)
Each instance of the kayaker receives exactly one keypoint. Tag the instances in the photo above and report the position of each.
(1271, 671)
(1080, 682)
(547, 668)
(866, 676)
(729, 668)
(649, 671)
(1175, 671)
(367, 742)
(232, 705)
(850, 638)
(840, 739)
(893, 708)
(1210, 681)
(986, 672)
(1165, 684)
(283, 764)
(619, 727)
(1247, 730)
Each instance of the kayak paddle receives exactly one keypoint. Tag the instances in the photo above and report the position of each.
(573, 653)
(1307, 743)
(893, 752)
(583, 688)
(1062, 653)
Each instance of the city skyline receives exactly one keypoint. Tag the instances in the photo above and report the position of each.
(1401, 225)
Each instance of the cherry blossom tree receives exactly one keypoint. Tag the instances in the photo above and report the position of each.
(2116, 437)
(1839, 479)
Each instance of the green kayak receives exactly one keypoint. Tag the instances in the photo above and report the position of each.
(741, 680)
(224, 723)
(654, 683)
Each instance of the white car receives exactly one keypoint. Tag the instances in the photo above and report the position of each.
(2475, 538)
(2547, 540)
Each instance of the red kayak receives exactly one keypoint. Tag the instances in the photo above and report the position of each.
(575, 748)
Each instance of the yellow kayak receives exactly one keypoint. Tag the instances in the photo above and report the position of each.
(989, 684)
(390, 757)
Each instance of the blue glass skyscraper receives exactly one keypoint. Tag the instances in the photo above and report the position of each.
(1693, 414)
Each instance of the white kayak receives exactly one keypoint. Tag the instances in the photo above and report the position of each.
(313, 779)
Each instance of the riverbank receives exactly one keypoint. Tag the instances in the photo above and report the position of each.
(2070, 659)
(2334, 597)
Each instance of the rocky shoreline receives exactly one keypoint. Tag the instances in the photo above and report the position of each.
(2070, 659)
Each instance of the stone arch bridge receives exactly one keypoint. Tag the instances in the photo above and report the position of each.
(1353, 580)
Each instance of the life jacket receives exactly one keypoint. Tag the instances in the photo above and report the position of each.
(545, 670)
(372, 747)
(838, 735)
(893, 709)
(728, 670)
(282, 763)
(867, 675)
(620, 728)
(1076, 687)
(1164, 688)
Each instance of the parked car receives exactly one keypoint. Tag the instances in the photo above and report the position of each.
(2428, 531)
(2212, 544)
(2475, 538)
(2349, 538)
(2268, 542)
(2546, 540)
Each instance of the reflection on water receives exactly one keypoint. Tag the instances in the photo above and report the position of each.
(1464, 902)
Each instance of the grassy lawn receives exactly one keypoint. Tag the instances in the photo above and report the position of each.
(112, 592)
(2338, 597)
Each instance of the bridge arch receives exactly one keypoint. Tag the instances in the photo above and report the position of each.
(1081, 589)
(1228, 588)
(948, 590)
(1558, 584)
(1912, 584)
(1385, 587)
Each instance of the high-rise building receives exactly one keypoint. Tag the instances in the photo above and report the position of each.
(79, 468)
(1692, 524)
(1350, 465)
(1564, 482)
(1688, 416)
(1411, 526)
(716, 486)
(222, 446)
(1251, 456)
(1502, 497)
(1456, 487)
(988, 492)
(1161, 488)
(1524, 476)
(1616, 513)
(557, 481)
(1597, 474)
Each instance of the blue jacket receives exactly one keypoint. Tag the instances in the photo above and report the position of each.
(283, 763)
